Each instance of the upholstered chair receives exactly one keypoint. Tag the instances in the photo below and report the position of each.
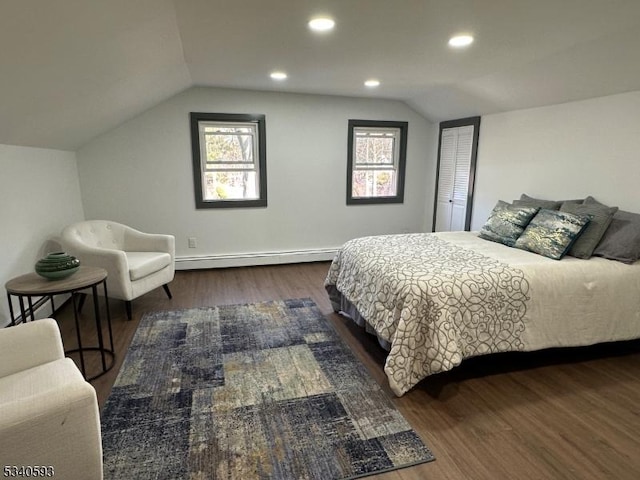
(49, 416)
(136, 262)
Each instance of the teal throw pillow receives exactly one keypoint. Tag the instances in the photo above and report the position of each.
(506, 223)
(551, 233)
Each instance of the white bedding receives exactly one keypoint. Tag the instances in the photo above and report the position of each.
(438, 298)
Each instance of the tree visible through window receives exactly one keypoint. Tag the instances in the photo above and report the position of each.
(229, 160)
(376, 160)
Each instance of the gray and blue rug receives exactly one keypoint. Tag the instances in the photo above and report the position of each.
(259, 391)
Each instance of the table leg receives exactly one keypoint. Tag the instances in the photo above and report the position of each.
(96, 310)
(23, 313)
(106, 302)
(80, 350)
(13, 317)
(33, 315)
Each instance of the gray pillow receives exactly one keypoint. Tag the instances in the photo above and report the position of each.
(527, 201)
(576, 200)
(600, 216)
(592, 201)
(506, 223)
(621, 241)
(552, 233)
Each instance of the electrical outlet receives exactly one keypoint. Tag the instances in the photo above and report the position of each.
(192, 242)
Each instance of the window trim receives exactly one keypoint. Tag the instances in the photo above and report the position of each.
(257, 120)
(401, 160)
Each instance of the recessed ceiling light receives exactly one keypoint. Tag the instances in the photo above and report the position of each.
(321, 24)
(372, 83)
(278, 75)
(460, 41)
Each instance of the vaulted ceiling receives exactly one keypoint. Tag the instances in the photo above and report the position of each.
(73, 69)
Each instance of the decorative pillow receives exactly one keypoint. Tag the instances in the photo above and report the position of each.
(621, 241)
(551, 233)
(591, 200)
(577, 200)
(600, 216)
(506, 223)
(527, 201)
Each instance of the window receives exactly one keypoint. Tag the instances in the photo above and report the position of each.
(229, 160)
(376, 159)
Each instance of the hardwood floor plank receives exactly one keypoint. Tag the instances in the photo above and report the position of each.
(564, 413)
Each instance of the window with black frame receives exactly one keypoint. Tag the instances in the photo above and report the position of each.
(229, 160)
(376, 161)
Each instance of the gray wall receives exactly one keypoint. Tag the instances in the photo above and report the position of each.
(141, 174)
(39, 195)
(564, 151)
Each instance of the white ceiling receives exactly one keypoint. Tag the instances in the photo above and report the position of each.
(73, 69)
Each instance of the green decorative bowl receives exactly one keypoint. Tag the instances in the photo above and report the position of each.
(57, 265)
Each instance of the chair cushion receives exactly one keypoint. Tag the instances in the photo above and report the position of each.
(142, 264)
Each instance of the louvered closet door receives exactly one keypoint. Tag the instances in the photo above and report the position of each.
(456, 145)
(446, 179)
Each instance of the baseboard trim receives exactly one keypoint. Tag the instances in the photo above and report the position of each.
(254, 259)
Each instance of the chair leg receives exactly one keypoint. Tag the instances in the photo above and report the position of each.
(127, 307)
(166, 289)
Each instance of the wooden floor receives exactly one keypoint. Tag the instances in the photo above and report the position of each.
(564, 414)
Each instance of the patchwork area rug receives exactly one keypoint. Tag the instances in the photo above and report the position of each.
(258, 391)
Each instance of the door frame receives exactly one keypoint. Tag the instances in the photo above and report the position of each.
(461, 122)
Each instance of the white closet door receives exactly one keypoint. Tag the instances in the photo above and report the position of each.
(461, 178)
(446, 179)
(453, 178)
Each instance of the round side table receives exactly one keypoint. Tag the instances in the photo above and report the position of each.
(33, 285)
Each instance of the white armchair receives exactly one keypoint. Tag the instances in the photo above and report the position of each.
(48, 413)
(136, 262)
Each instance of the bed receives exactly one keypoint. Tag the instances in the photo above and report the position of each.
(435, 299)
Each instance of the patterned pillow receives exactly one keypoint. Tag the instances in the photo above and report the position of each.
(600, 218)
(506, 223)
(551, 233)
